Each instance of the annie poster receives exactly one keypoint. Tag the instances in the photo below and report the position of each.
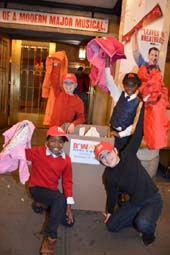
(144, 24)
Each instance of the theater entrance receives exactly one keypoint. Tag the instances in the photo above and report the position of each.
(27, 74)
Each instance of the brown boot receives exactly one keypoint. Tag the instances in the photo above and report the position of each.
(48, 246)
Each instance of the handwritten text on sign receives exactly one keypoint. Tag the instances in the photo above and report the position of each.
(53, 20)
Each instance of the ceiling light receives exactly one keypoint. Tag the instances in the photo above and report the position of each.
(82, 53)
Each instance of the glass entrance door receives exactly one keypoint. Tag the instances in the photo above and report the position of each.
(27, 72)
(31, 78)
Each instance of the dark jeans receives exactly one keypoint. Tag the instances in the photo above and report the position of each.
(56, 202)
(142, 216)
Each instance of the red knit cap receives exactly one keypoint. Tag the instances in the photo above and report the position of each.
(70, 77)
(56, 131)
(101, 148)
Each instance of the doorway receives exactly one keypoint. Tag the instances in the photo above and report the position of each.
(32, 72)
(27, 75)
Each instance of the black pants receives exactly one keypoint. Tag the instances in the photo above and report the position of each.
(56, 202)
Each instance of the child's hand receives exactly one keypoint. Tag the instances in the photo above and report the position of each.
(114, 133)
(70, 128)
(69, 215)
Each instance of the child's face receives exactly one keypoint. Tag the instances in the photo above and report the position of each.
(111, 159)
(129, 89)
(55, 144)
(69, 87)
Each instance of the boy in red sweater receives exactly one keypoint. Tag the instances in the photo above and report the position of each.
(68, 107)
(49, 164)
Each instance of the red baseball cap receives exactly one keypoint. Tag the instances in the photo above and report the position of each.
(70, 77)
(101, 148)
(57, 131)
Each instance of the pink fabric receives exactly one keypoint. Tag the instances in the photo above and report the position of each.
(97, 50)
(16, 140)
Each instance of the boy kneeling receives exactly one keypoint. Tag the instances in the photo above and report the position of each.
(125, 174)
(49, 164)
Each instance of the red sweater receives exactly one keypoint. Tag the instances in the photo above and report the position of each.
(47, 170)
(61, 108)
(67, 108)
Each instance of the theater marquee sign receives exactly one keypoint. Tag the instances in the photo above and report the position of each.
(53, 20)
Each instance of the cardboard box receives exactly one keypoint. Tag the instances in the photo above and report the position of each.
(102, 130)
(88, 189)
